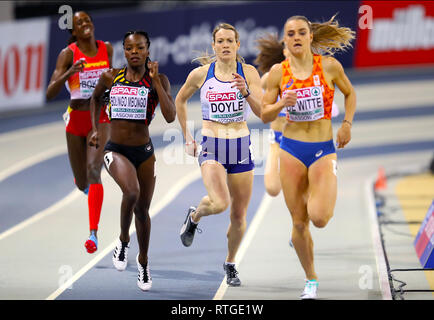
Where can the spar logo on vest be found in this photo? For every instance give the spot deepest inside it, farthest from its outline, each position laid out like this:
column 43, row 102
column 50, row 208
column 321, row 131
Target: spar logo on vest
column 309, row 106
column 129, row 102
column 225, row 105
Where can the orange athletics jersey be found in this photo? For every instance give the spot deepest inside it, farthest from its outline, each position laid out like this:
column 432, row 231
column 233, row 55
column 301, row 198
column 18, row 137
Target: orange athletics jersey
column 314, row 96
column 82, row 84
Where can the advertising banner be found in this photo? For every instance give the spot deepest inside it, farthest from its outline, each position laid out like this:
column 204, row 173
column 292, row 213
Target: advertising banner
column 402, row 33
column 424, row 242
column 178, row 36
column 23, row 55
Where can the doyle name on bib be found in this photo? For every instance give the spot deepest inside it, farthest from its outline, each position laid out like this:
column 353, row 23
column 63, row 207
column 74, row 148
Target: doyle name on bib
column 226, row 106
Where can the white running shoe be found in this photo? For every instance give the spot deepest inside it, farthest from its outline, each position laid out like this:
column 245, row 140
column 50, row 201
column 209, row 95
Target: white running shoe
column 120, row 255
column 310, row 289
column 144, row 280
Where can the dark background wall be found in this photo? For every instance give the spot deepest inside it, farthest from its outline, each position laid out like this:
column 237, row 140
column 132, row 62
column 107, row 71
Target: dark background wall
column 178, row 34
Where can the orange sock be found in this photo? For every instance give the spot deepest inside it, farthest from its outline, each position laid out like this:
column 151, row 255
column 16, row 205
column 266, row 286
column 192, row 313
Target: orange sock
column 94, row 200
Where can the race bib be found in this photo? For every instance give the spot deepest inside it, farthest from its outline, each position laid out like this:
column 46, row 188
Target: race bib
column 226, row 107
column 129, row 102
column 309, row 106
column 88, row 81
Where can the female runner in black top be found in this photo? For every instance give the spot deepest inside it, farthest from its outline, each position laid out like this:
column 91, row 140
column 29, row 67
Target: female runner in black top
column 135, row 92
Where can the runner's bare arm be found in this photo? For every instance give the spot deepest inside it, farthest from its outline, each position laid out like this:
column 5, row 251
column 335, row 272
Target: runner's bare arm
column 191, row 85
column 254, row 83
column 271, row 107
column 64, row 69
column 96, row 101
column 334, row 68
column 109, row 53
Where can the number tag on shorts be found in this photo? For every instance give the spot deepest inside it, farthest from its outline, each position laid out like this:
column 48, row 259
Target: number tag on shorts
column 108, row 159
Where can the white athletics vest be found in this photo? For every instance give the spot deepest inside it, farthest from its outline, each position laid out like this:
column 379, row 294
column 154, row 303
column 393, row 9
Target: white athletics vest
column 220, row 102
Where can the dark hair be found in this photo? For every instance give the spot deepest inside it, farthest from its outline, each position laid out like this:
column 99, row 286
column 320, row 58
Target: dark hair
column 74, row 38
column 140, row 32
column 270, row 52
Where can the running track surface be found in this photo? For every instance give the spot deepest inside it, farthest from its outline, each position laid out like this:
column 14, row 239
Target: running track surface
column 44, row 218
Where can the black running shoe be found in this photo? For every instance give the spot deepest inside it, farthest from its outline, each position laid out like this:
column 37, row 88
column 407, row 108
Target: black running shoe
column 188, row 229
column 231, row 275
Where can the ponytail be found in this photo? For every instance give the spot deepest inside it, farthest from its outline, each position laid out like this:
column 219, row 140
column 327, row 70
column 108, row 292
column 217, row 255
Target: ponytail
column 270, row 52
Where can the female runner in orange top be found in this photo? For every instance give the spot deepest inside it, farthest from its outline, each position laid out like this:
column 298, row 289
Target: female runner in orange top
column 306, row 83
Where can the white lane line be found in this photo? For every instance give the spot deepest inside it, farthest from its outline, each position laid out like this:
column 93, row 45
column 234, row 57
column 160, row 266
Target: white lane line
column 153, row 211
column 54, row 208
column 30, row 161
column 376, row 239
column 248, row 237
column 42, row 214
column 51, row 128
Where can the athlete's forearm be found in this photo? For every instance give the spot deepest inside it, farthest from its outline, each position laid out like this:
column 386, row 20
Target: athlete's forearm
column 255, row 104
column 55, row 86
column 168, row 108
column 181, row 112
column 350, row 106
column 95, row 109
column 271, row 111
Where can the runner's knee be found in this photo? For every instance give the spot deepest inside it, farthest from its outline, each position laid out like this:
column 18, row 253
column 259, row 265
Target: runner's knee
column 94, row 173
column 272, row 190
column 220, row 204
column 238, row 218
column 141, row 213
column 130, row 197
column 81, row 185
column 300, row 226
column 321, row 222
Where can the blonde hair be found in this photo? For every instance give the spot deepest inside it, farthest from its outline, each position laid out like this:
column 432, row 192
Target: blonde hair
column 328, row 37
column 270, row 52
column 206, row 58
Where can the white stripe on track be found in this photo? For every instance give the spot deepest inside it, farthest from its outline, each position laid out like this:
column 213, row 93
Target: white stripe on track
column 43, row 129
column 47, row 212
column 254, row 225
column 153, row 211
column 376, row 239
column 42, row 214
column 28, row 162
